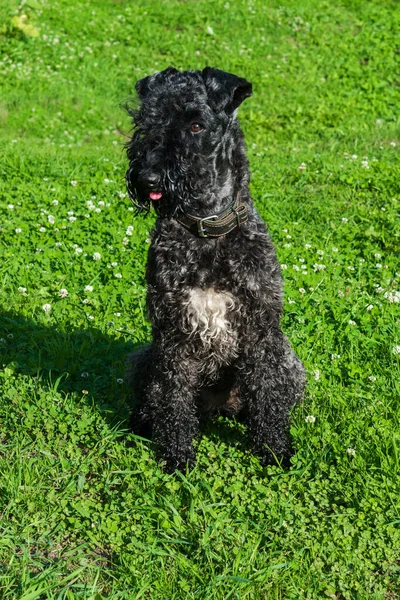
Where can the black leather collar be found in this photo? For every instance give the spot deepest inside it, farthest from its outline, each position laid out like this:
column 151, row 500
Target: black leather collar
column 216, row 225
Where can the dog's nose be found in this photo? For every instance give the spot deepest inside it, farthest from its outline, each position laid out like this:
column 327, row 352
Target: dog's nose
column 149, row 181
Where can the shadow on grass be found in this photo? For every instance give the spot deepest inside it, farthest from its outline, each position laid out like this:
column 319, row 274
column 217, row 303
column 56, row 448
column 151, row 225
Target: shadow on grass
column 82, row 359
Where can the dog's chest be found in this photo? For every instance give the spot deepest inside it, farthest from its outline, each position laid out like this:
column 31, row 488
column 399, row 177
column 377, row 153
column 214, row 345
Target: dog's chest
column 209, row 316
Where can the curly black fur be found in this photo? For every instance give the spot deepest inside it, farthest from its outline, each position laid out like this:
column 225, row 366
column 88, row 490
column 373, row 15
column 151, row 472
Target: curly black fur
column 214, row 303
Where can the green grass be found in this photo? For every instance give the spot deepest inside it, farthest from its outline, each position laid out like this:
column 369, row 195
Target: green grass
column 85, row 509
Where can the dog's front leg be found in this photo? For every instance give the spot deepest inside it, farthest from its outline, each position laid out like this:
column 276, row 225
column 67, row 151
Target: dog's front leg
column 175, row 422
column 271, row 381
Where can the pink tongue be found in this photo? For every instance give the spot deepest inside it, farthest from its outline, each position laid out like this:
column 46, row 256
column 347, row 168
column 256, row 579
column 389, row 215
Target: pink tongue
column 155, row 195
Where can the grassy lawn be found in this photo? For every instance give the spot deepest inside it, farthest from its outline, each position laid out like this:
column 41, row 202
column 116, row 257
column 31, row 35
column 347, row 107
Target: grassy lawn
column 86, row 511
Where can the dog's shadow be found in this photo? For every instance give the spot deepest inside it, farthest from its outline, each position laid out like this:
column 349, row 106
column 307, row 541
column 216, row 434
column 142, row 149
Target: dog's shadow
column 84, row 361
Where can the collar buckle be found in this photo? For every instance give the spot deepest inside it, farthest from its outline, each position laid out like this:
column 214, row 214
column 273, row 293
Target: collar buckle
column 200, row 222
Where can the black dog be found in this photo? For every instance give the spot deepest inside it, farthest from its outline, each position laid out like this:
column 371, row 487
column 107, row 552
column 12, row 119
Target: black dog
column 214, row 283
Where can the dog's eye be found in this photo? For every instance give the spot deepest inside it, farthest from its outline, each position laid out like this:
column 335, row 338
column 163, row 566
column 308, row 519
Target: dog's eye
column 196, row 127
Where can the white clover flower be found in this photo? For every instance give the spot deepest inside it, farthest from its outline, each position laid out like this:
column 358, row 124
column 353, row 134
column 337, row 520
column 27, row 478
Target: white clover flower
column 55, row 202
column 85, row 374
column 114, row 264
column 351, row 451
column 377, row 255
column 378, row 266
column 396, row 349
column 73, row 183
column 310, row 419
column 18, row 230
column 117, row 314
column 320, row 252
column 317, row 374
column 78, row 250
column 334, row 249
column 58, row 244
column 335, row 356
column 351, row 322
column 308, row 246
column 351, row 268
column 90, row 317
column 86, row 301
column 318, row 267
column 392, row 296
column 125, row 241
column 89, row 288
column 106, row 180
column 296, row 268
column 46, row 308
column 96, row 256
column 304, row 267
column 118, row 275
column 380, row 289
column 101, row 203
column 354, row 156
column 128, row 232
column 51, row 219
column 372, row 378
column 301, row 260
column 120, row 380
column 302, row 290
column 283, row 267
column 22, row 290
column 70, row 213
column 291, row 301
column 302, row 167
column 63, row 293
column 393, row 144
column 97, row 210
column 10, row 206
column 72, row 219
column 85, row 392
column 42, row 229
column 369, row 307
column 344, row 219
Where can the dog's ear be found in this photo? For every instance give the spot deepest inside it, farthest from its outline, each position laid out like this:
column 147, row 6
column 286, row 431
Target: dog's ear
column 225, row 91
column 143, row 86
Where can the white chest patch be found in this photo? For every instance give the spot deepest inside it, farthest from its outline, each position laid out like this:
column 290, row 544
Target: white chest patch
column 208, row 315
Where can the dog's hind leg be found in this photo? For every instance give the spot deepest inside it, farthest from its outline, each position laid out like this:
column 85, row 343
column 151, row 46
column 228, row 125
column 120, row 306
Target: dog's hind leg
column 138, row 374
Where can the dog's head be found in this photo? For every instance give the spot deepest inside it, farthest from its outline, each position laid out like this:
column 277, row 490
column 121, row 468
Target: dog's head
column 186, row 139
